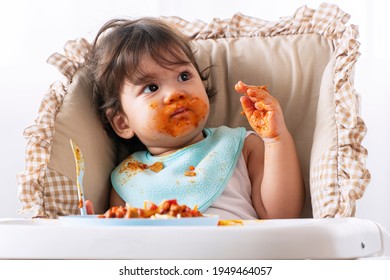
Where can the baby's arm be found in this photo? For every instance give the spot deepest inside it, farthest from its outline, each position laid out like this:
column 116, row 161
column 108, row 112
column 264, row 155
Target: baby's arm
column 115, row 199
column 273, row 166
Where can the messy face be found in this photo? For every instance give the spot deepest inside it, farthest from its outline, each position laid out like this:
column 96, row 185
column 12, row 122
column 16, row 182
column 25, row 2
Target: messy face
column 167, row 106
column 177, row 118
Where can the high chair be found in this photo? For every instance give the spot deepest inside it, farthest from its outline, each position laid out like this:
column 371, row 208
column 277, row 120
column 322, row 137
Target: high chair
column 306, row 61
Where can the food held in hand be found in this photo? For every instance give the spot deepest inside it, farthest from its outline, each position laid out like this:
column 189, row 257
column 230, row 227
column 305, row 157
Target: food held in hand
column 165, row 210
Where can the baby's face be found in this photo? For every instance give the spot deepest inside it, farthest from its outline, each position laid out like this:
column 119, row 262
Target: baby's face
column 168, row 107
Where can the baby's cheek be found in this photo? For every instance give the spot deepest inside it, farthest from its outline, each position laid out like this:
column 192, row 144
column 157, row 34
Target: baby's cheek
column 159, row 117
column 153, row 105
column 200, row 108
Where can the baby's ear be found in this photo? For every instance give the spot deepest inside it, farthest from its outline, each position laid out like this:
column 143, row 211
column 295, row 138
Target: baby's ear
column 121, row 125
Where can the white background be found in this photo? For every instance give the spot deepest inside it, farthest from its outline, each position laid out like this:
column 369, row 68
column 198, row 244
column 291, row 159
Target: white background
column 33, row 30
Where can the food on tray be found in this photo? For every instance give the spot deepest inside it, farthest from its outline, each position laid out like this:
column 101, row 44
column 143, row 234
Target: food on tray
column 165, row 210
column 230, row 223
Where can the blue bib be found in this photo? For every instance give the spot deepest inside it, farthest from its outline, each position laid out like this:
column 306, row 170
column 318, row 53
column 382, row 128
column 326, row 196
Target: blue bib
column 195, row 175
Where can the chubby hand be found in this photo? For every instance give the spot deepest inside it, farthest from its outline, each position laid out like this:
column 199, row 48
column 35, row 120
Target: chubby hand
column 89, row 207
column 262, row 111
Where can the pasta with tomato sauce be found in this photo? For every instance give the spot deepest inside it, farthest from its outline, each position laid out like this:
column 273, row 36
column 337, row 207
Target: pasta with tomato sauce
column 166, row 209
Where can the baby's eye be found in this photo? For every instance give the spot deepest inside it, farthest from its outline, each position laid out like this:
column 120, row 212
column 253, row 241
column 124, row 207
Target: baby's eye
column 150, row 88
column 184, row 76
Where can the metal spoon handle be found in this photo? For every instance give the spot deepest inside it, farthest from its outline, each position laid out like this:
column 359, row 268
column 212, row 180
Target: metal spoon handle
column 80, row 169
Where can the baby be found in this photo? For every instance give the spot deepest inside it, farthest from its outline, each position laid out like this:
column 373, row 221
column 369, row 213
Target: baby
column 149, row 90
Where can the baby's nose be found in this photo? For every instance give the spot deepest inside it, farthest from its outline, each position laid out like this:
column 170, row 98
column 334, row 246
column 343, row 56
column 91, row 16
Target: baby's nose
column 173, row 97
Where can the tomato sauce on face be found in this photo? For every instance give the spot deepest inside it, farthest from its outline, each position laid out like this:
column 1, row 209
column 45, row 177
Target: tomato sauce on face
column 177, row 118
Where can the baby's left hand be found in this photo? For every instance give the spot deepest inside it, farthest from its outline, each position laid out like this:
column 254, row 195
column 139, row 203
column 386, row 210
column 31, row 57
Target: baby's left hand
column 262, row 111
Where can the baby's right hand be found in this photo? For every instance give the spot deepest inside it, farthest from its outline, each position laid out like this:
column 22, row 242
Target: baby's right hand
column 262, row 111
column 89, row 207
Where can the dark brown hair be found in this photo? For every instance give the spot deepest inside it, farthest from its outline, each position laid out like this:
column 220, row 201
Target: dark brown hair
column 116, row 53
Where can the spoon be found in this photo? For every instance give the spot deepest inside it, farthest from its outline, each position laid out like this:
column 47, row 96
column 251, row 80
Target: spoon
column 80, row 169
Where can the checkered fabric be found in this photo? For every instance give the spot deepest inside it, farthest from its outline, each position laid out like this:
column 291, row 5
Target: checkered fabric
column 38, row 184
column 338, row 179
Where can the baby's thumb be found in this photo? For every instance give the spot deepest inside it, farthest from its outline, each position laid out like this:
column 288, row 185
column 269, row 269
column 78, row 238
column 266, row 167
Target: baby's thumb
column 89, row 207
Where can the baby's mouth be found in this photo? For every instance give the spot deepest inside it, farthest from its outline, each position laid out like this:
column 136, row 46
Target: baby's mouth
column 179, row 111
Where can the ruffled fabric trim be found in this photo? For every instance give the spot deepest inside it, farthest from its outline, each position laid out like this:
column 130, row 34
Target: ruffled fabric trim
column 75, row 53
column 34, row 183
column 328, row 20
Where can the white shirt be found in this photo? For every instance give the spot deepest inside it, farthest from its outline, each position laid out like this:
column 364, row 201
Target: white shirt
column 235, row 202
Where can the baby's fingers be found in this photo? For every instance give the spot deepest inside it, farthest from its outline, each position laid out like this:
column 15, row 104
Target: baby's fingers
column 243, row 88
column 264, row 106
column 247, row 106
column 89, row 206
column 240, row 87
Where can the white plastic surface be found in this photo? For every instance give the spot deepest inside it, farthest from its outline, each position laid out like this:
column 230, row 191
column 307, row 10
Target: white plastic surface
column 347, row 238
column 93, row 220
